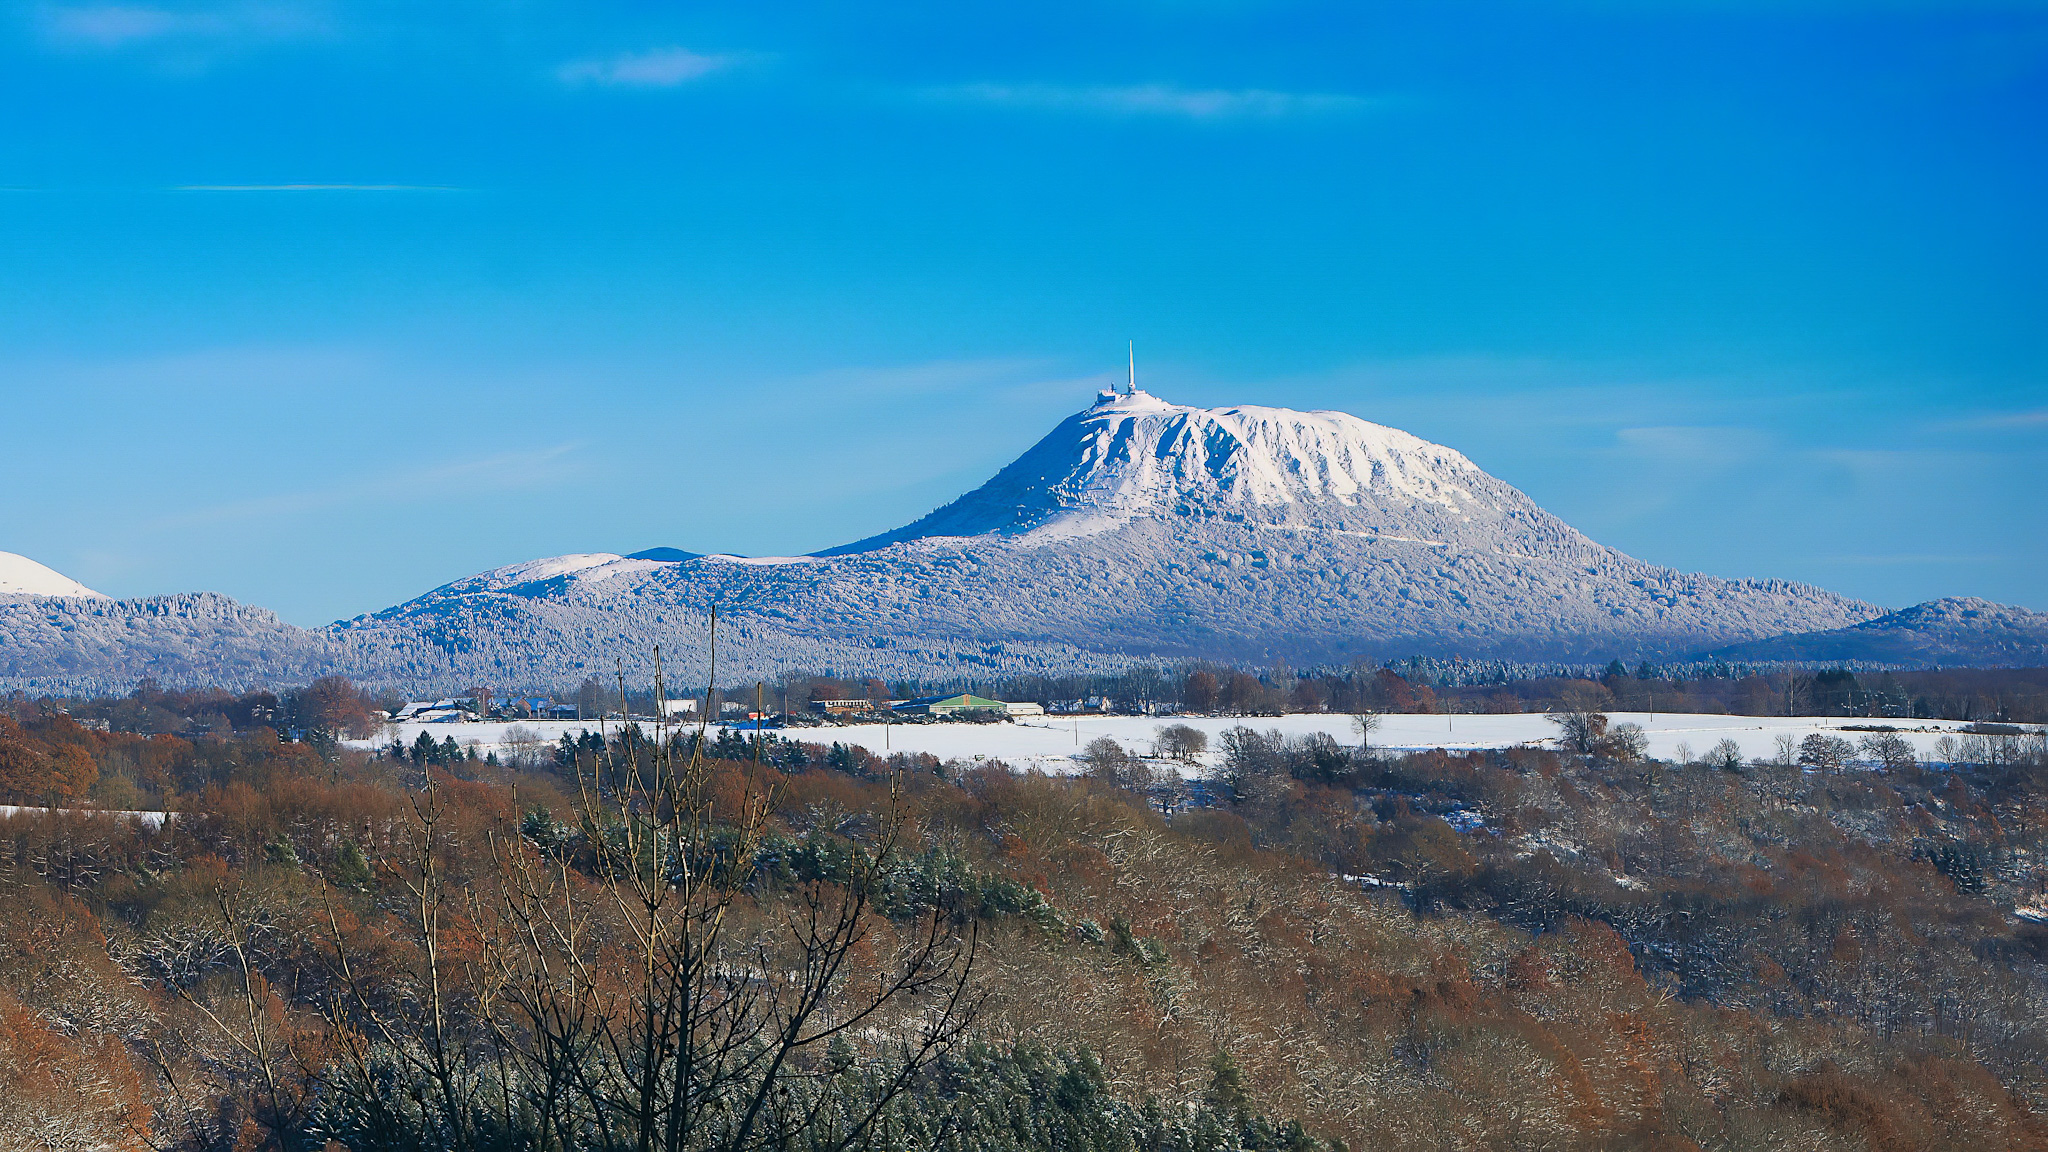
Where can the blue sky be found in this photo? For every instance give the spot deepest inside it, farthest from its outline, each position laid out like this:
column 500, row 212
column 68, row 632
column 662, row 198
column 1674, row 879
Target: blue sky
column 322, row 304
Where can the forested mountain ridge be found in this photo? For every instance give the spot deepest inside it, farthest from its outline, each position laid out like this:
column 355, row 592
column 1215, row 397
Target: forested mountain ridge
column 1953, row 630
column 96, row 643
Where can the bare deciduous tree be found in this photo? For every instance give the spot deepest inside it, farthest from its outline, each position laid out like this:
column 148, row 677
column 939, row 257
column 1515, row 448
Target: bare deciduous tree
column 635, row 991
column 1365, row 724
column 1726, row 755
column 1889, row 750
column 1182, row 742
column 1579, row 731
column 1825, row 753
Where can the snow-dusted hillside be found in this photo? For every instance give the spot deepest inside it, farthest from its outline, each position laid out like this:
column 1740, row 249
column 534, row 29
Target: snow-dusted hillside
column 21, row 576
column 61, row 644
column 1136, row 528
column 1957, row 630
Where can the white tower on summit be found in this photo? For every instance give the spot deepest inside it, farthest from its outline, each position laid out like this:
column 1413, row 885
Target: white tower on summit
column 1113, row 394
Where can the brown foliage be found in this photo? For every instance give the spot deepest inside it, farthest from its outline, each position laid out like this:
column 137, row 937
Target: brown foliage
column 64, row 1092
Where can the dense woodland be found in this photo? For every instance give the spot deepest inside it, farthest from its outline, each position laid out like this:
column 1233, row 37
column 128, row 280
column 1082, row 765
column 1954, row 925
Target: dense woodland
column 646, row 940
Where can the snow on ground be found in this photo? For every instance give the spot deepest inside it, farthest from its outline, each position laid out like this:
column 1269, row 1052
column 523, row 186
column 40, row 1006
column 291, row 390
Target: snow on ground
column 146, row 819
column 1051, row 744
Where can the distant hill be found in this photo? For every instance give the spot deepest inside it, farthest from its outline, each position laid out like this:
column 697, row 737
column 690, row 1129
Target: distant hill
column 96, row 644
column 1952, row 631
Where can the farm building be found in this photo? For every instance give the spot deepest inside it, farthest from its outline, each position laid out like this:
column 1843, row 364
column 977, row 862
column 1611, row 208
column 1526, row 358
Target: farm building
column 845, row 707
column 953, row 705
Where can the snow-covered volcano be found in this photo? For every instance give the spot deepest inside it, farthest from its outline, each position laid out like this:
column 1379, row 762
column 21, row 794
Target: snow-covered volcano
column 1136, row 528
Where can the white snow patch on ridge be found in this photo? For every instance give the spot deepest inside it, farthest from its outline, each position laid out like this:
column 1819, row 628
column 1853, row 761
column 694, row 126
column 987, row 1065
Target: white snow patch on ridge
column 760, row 561
column 548, row 568
column 21, row 576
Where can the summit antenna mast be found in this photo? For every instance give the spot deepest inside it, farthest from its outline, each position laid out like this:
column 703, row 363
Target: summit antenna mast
column 1133, row 388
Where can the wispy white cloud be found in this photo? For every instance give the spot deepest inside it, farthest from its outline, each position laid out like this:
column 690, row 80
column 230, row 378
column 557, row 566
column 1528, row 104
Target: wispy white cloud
column 2033, row 418
column 1913, row 558
column 1809, row 7
column 110, row 25
column 501, row 472
column 929, row 378
column 116, row 26
column 657, row 68
column 314, row 188
column 1693, row 446
column 1161, row 100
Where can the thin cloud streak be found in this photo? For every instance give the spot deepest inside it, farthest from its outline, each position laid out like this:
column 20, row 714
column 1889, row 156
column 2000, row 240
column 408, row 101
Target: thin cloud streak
column 1693, row 446
column 507, row 471
column 315, row 188
column 658, row 68
column 1912, row 558
column 111, row 27
column 1162, row 100
column 2035, row 418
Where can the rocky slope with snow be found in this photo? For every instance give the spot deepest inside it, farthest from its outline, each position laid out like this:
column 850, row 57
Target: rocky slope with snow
column 1137, row 528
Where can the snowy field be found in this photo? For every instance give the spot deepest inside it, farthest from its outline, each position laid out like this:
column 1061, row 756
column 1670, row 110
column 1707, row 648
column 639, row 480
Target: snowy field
column 1050, row 744
column 146, row 819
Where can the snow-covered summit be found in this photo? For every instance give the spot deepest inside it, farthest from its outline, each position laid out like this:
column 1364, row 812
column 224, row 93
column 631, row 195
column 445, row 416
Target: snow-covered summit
column 21, row 576
column 1133, row 455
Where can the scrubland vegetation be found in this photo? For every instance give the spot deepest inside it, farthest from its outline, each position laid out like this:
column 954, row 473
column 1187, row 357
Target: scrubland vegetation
column 634, row 942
